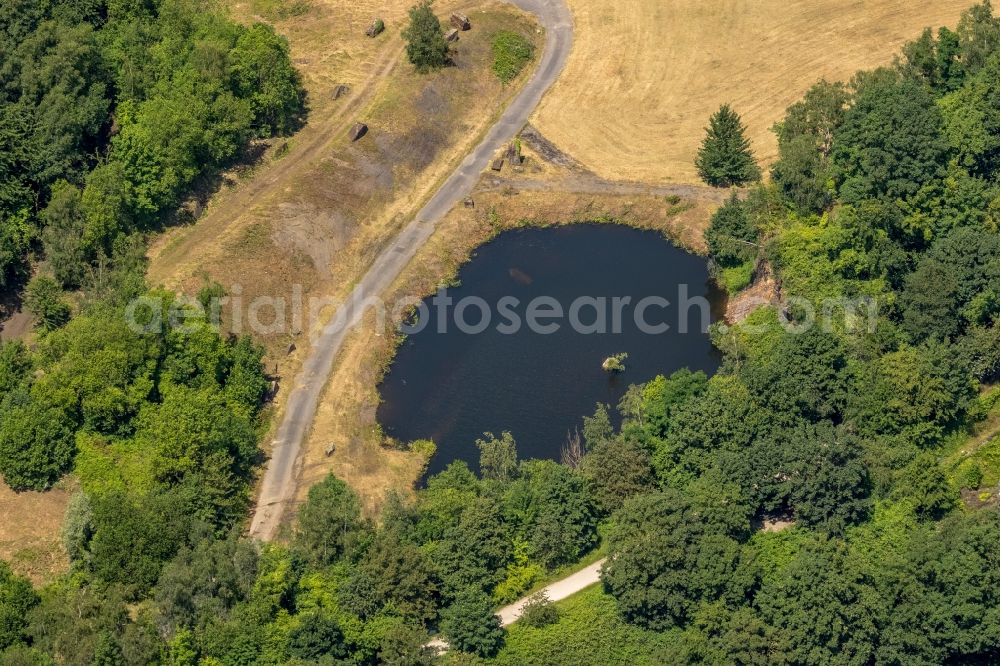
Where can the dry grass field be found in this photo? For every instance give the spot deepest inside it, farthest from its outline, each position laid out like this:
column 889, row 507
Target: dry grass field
column 644, row 75
column 29, row 530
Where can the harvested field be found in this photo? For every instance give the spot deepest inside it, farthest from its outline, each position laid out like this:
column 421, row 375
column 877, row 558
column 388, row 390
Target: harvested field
column 659, row 69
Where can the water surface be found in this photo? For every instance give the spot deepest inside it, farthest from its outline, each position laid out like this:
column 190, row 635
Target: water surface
column 452, row 386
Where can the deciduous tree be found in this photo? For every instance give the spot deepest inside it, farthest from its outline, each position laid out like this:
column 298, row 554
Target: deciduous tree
column 664, row 559
column 330, row 521
column 470, row 625
column 44, row 299
column 425, row 44
column 891, row 141
column 16, row 599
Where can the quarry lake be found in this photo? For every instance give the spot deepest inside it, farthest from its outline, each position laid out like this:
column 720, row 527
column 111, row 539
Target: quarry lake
column 518, row 345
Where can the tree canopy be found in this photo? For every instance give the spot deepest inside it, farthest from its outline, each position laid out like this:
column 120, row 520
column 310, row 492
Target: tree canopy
column 425, row 44
column 725, row 157
column 827, row 496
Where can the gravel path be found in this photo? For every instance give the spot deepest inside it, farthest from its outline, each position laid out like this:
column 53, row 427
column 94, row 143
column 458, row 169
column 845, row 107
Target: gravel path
column 557, row 591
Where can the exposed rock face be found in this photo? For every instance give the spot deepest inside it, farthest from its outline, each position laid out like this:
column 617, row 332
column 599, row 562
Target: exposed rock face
column 764, row 290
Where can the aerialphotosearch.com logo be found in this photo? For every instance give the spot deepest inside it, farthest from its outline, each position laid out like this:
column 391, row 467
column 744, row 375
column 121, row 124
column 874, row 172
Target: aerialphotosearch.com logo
column 473, row 315
column 545, row 315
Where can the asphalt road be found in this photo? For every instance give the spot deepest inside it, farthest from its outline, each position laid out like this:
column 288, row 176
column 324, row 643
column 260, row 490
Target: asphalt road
column 278, row 487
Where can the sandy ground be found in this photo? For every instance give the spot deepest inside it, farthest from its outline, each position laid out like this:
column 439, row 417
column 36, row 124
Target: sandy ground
column 16, row 326
column 645, row 75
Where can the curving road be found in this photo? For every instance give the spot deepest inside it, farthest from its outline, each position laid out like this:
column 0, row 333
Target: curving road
column 278, row 487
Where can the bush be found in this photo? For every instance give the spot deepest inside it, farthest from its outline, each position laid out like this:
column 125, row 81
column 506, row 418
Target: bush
column 78, row 527
column 732, row 236
column 425, row 448
column 15, row 239
column 589, row 631
column 44, row 301
column 329, row 521
column 36, row 441
column 511, row 52
column 539, row 612
column 970, row 475
column 470, row 625
column 736, row 278
column 425, row 44
column 16, row 599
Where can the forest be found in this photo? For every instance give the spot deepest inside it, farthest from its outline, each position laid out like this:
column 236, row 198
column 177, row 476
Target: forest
column 114, row 113
column 856, row 439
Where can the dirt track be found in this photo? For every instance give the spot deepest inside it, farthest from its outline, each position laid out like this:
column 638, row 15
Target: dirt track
column 557, row 591
column 278, row 487
column 590, row 184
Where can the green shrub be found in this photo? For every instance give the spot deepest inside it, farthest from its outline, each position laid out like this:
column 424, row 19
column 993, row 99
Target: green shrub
column 970, row 475
column 736, row 278
column 511, row 52
column 425, row 44
column 470, row 625
column 539, row 611
column 522, row 573
column 426, row 448
column 43, row 299
column 589, row 631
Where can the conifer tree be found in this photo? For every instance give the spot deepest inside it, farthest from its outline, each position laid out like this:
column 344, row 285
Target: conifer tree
column 725, row 157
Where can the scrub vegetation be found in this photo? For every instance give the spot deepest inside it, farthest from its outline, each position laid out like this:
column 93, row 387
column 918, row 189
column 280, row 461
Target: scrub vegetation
column 511, row 53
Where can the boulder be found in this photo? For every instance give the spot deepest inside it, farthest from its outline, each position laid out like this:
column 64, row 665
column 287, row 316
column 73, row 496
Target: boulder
column 358, row 131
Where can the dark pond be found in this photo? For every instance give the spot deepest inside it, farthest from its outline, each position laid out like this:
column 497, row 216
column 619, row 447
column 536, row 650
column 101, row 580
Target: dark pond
column 451, row 385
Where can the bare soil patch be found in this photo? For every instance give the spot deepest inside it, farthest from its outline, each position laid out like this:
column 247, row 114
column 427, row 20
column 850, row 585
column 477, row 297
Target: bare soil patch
column 763, row 291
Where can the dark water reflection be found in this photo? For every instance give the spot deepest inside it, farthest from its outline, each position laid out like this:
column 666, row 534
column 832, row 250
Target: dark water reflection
column 452, row 386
